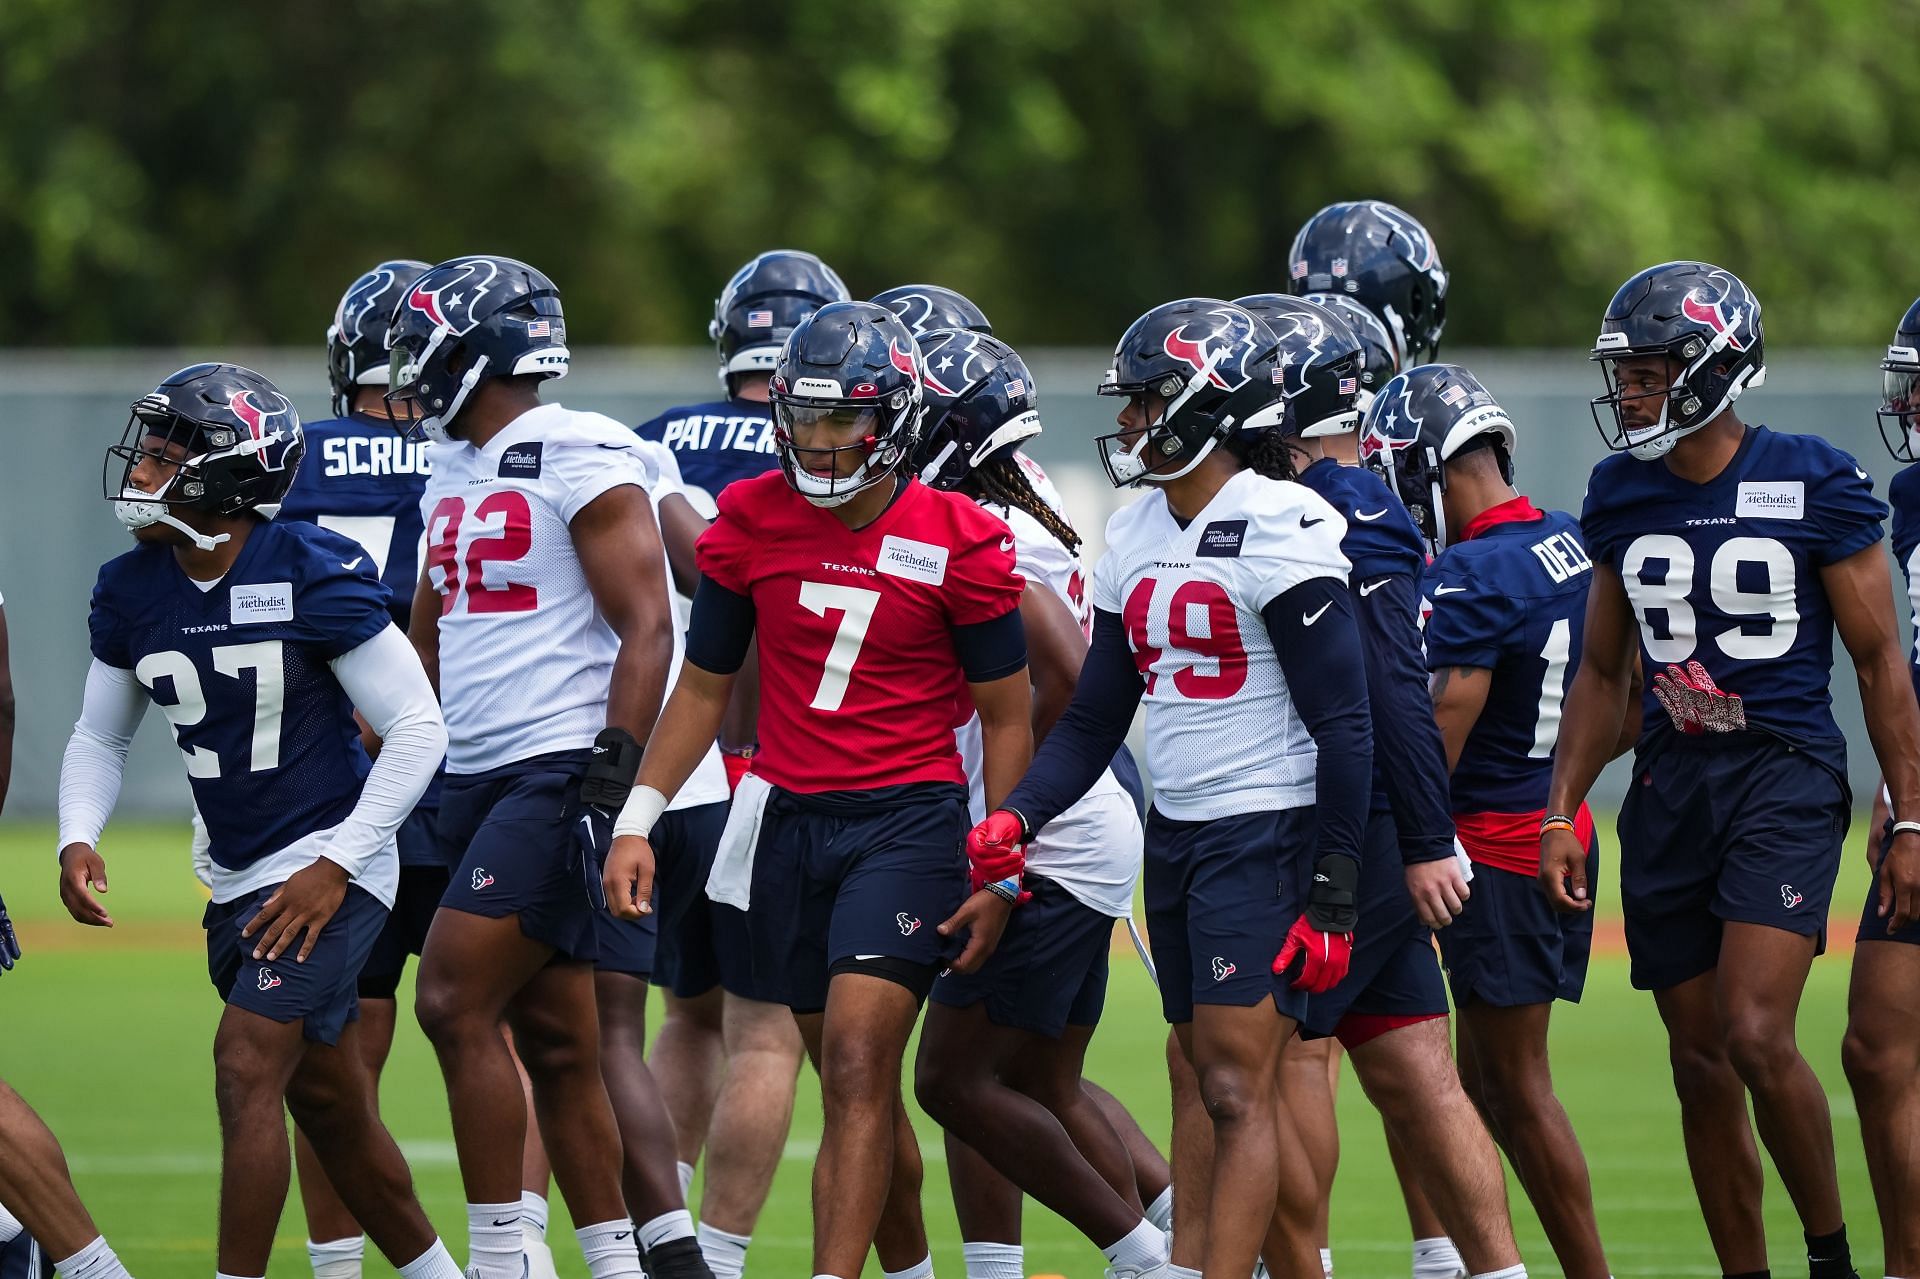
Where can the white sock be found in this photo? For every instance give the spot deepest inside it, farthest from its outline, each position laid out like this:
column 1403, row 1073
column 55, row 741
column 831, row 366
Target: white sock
column 533, row 1216
column 1436, row 1258
column 991, row 1261
column 10, row 1226
column 726, row 1253
column 435, row 1263
column 1511, row 1272
column 665, row 1228
column 1160, row 1211
column 1326, row 1262
column 495, row 1247
column 685, row 1170
column 337, row 1258
column 1182, row 1272
column 1142, row 1248
column 921, row 1269
column 610, row 1249
column 95, row 1261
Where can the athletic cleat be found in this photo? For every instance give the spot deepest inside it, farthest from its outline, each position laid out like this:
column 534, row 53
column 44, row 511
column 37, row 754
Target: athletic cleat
column 1133, row 1272
column 677, row 1259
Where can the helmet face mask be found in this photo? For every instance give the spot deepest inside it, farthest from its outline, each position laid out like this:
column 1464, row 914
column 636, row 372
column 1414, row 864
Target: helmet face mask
column 1899, row 411
column 847, row 401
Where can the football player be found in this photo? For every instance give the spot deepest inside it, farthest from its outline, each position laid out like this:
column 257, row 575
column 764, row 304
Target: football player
column 1881, row 1052
column 1383, row 258
column 364, row 482
column 1390, row 1012
column 1734, row 553
column 891, row 599
column 259, row 640
column 1507, row 590
column 542, row 613
column 727, row 1056
column 1001, row 1054
column 1222, row 603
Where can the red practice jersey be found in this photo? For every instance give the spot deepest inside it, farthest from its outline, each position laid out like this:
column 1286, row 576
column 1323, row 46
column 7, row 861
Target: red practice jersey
column 858, row 673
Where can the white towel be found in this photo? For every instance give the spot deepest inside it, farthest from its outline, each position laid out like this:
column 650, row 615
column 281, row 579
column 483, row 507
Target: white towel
column 1464, row 862
column 731, row 881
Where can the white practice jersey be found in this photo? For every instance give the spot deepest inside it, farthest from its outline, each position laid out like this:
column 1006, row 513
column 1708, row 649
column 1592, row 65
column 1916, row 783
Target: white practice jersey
column 708, row 784
column 1092, row 849
column 1223, row 736
column 526, row 657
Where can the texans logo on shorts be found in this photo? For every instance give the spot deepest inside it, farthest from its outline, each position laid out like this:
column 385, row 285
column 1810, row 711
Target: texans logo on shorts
column 908, row 924
column 1222, row 969
column 268, row 980
column 1788, row 897
column 481, row 879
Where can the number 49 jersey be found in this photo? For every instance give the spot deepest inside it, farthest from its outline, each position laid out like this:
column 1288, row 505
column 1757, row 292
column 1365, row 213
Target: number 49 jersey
column 1511, row 599
column 1223, row 736
column 526, row 657
column 241, row 671
column 1727, row 574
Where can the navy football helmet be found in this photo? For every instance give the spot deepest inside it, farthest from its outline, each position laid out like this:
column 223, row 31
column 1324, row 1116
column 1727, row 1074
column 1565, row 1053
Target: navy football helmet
column 1706, row 324
column 1899, row 412
column 233, row 440
column 1419, row 422
column 357, row 338
column 763, row 303
column 981, row 401
column 929, row 306
column 850, row 369
column 1213, row 364
column 1320, row 362
column 1384, row 258
column 1378, row 363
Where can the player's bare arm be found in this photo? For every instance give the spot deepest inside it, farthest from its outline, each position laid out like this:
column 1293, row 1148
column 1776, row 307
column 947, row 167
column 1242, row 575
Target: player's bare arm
column 1056, row 648
column 619, row 548
column 1858, row 588
column 1459, row 695
column 680, row 528
column 1590, row 725
column 686, row 725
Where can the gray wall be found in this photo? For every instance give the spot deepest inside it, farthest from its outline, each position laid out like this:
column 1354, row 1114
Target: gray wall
column 59, row 411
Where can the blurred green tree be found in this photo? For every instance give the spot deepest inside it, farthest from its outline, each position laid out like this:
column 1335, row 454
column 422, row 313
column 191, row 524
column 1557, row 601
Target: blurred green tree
column 178, row 172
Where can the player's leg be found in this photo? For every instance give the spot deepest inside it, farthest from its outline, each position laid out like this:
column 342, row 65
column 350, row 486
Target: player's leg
column 1190, row 1153
column 1051, row 1074
column 1882, row 1057
column 1721, row 1155
column 988, row 1207
column 650, row 1181
column 335, row 1242
column 37, row 1188
column 536, row 1184
column 1236, row 1057
column 1152, row 1174
column 1307, row 1071
column 1435, row 1255
column 253, row 1058
column 689, row 1063
column 1408, row 1074
column 751, row 1118
column 688, row 1056
column 862, row 1038
column 1503, row 1052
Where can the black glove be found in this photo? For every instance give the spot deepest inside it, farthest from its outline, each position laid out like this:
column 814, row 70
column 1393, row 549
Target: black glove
column 603, row 792
column 1333, row 903
column 9, row 943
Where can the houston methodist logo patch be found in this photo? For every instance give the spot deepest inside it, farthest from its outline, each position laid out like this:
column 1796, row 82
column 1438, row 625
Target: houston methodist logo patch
column 264, row 602
column 1771, row 499
column 915, row 561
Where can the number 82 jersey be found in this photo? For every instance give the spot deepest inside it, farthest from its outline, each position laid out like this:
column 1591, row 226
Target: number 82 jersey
column 1727, row 574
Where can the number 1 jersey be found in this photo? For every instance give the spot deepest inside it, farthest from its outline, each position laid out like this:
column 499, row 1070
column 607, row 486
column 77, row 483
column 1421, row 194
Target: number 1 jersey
column 526, row 657
column 1727, row 574
column 859, row 678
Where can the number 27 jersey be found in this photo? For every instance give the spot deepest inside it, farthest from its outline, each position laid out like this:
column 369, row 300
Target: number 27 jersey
column 1727, row 574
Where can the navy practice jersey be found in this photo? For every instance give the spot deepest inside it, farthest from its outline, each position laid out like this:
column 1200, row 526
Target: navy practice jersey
column 1387, row 553
column 241, row 671
column 1727, row 574
column 715, row 444
column 1511, row 599
column 361, row 479
column 1905, row 493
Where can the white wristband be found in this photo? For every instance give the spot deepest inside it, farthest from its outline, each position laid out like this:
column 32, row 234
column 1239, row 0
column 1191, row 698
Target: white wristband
column 1906, row 827
column 640, row 812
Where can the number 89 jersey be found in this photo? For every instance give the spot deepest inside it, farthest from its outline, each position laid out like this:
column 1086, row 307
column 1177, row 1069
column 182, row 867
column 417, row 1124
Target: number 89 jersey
column 526, row 657
column 1223, row 736
column 1727, row 574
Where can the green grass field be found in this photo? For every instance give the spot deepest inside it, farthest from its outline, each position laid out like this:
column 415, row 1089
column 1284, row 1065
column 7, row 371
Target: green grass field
column 109, row 1036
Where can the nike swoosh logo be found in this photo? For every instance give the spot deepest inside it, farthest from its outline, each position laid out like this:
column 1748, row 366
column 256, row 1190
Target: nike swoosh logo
column 621, row 1235
column 1307, row 523
column 1862, row 474
column 1006, row 544
column 618, row 448
column 508, row 1222
column 1308, row 619
column 1366, row 518
column 1370, row 587
column 353, row 563
column 1448, row 590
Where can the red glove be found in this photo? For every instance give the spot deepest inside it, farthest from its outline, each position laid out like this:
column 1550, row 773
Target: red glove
column 1695, row 703
column 1323, row 957
column 996, row 848
column 738, row 764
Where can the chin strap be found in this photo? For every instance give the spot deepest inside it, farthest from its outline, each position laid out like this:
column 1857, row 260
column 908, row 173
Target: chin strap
column 144, row 512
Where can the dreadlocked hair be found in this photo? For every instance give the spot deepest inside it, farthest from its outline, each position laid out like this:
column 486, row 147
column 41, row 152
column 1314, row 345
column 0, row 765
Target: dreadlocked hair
column 1268, row 454
column 1000, row 480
